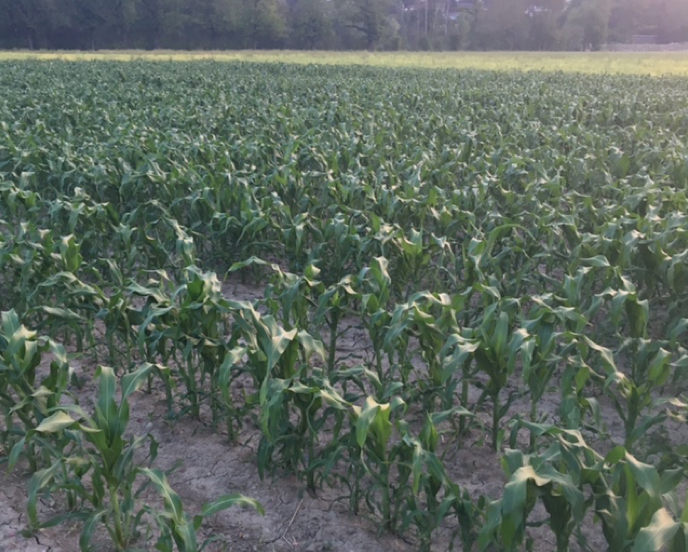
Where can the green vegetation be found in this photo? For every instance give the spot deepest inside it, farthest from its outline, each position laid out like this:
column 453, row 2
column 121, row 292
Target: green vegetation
column 506, row 250
column 647, row 63
column 426, row 25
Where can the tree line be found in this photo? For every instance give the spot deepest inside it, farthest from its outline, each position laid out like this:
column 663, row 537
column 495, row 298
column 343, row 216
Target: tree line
column 339, row 24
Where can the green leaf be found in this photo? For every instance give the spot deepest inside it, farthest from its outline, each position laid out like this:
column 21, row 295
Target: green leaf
column 605, row 354
column 62, row 313
column 133, row 380
column 38, row 481
column 57, row 422
column 658, row 534
column 88, row 529
column 644, row 474
column 107, row 388
column 173, row 503
column 500, row 335
column 599, row 261
column 15, row 453
column 228, row 501
column 374, row 419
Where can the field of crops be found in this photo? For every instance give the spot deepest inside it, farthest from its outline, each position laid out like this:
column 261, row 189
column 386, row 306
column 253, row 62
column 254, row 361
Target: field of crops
column 657, row 63
column 378, row 283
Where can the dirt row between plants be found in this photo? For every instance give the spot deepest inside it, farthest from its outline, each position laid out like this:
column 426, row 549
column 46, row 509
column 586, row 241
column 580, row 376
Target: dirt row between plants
column 204, row 465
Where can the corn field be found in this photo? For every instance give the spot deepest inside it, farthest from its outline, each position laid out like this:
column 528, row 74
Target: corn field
column 445, row 260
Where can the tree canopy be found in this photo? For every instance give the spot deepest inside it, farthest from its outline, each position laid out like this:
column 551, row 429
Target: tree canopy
column 338, row 24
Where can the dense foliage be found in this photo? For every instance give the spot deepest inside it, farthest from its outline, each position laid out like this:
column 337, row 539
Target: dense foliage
column 495, row 242
column 341, row 24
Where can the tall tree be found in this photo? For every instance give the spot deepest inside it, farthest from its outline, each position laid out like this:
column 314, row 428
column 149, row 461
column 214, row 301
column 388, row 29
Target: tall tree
column 263, row 22
column 587, row 24
column 544, row 27
column 502, row 25
column 370, row 19
column 311, row 23
column 32, row 21
column 372, row 24
column 211, row 24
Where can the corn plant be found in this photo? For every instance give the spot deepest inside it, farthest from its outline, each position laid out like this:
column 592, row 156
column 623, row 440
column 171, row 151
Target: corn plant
column 374, row 282
column 482, row 252
column 498, row 346
column 26, row 398
column 435, row 496
column 629, row 497
column 112, row 494
column 666, row 530
column 177, row 528
column 429, row 318
column 104, row 452
column 532, row 479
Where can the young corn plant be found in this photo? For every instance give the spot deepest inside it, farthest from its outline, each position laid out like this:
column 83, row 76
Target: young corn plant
column 284, row 366
column 290, row 385
column 75, row 306
column 434, row 496
column 26, row 258
column 333, row 305
column 26, row 398
column 186, row 328
column 533, row 478
column 633, row 391
column 635, row 397
column 112, row 494
column 409, row 485
column 289, row 297
column 105, row 453
column 667, row 530
column 301, row 419
column 177, row 530
column 372, row 431
column 498, row 347
column 630, row 501
column 374, row 283
column 552, row 329
column 199, row 334
column 429, row 318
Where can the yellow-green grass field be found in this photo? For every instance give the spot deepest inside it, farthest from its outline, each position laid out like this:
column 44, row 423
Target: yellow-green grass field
column 636, row 63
